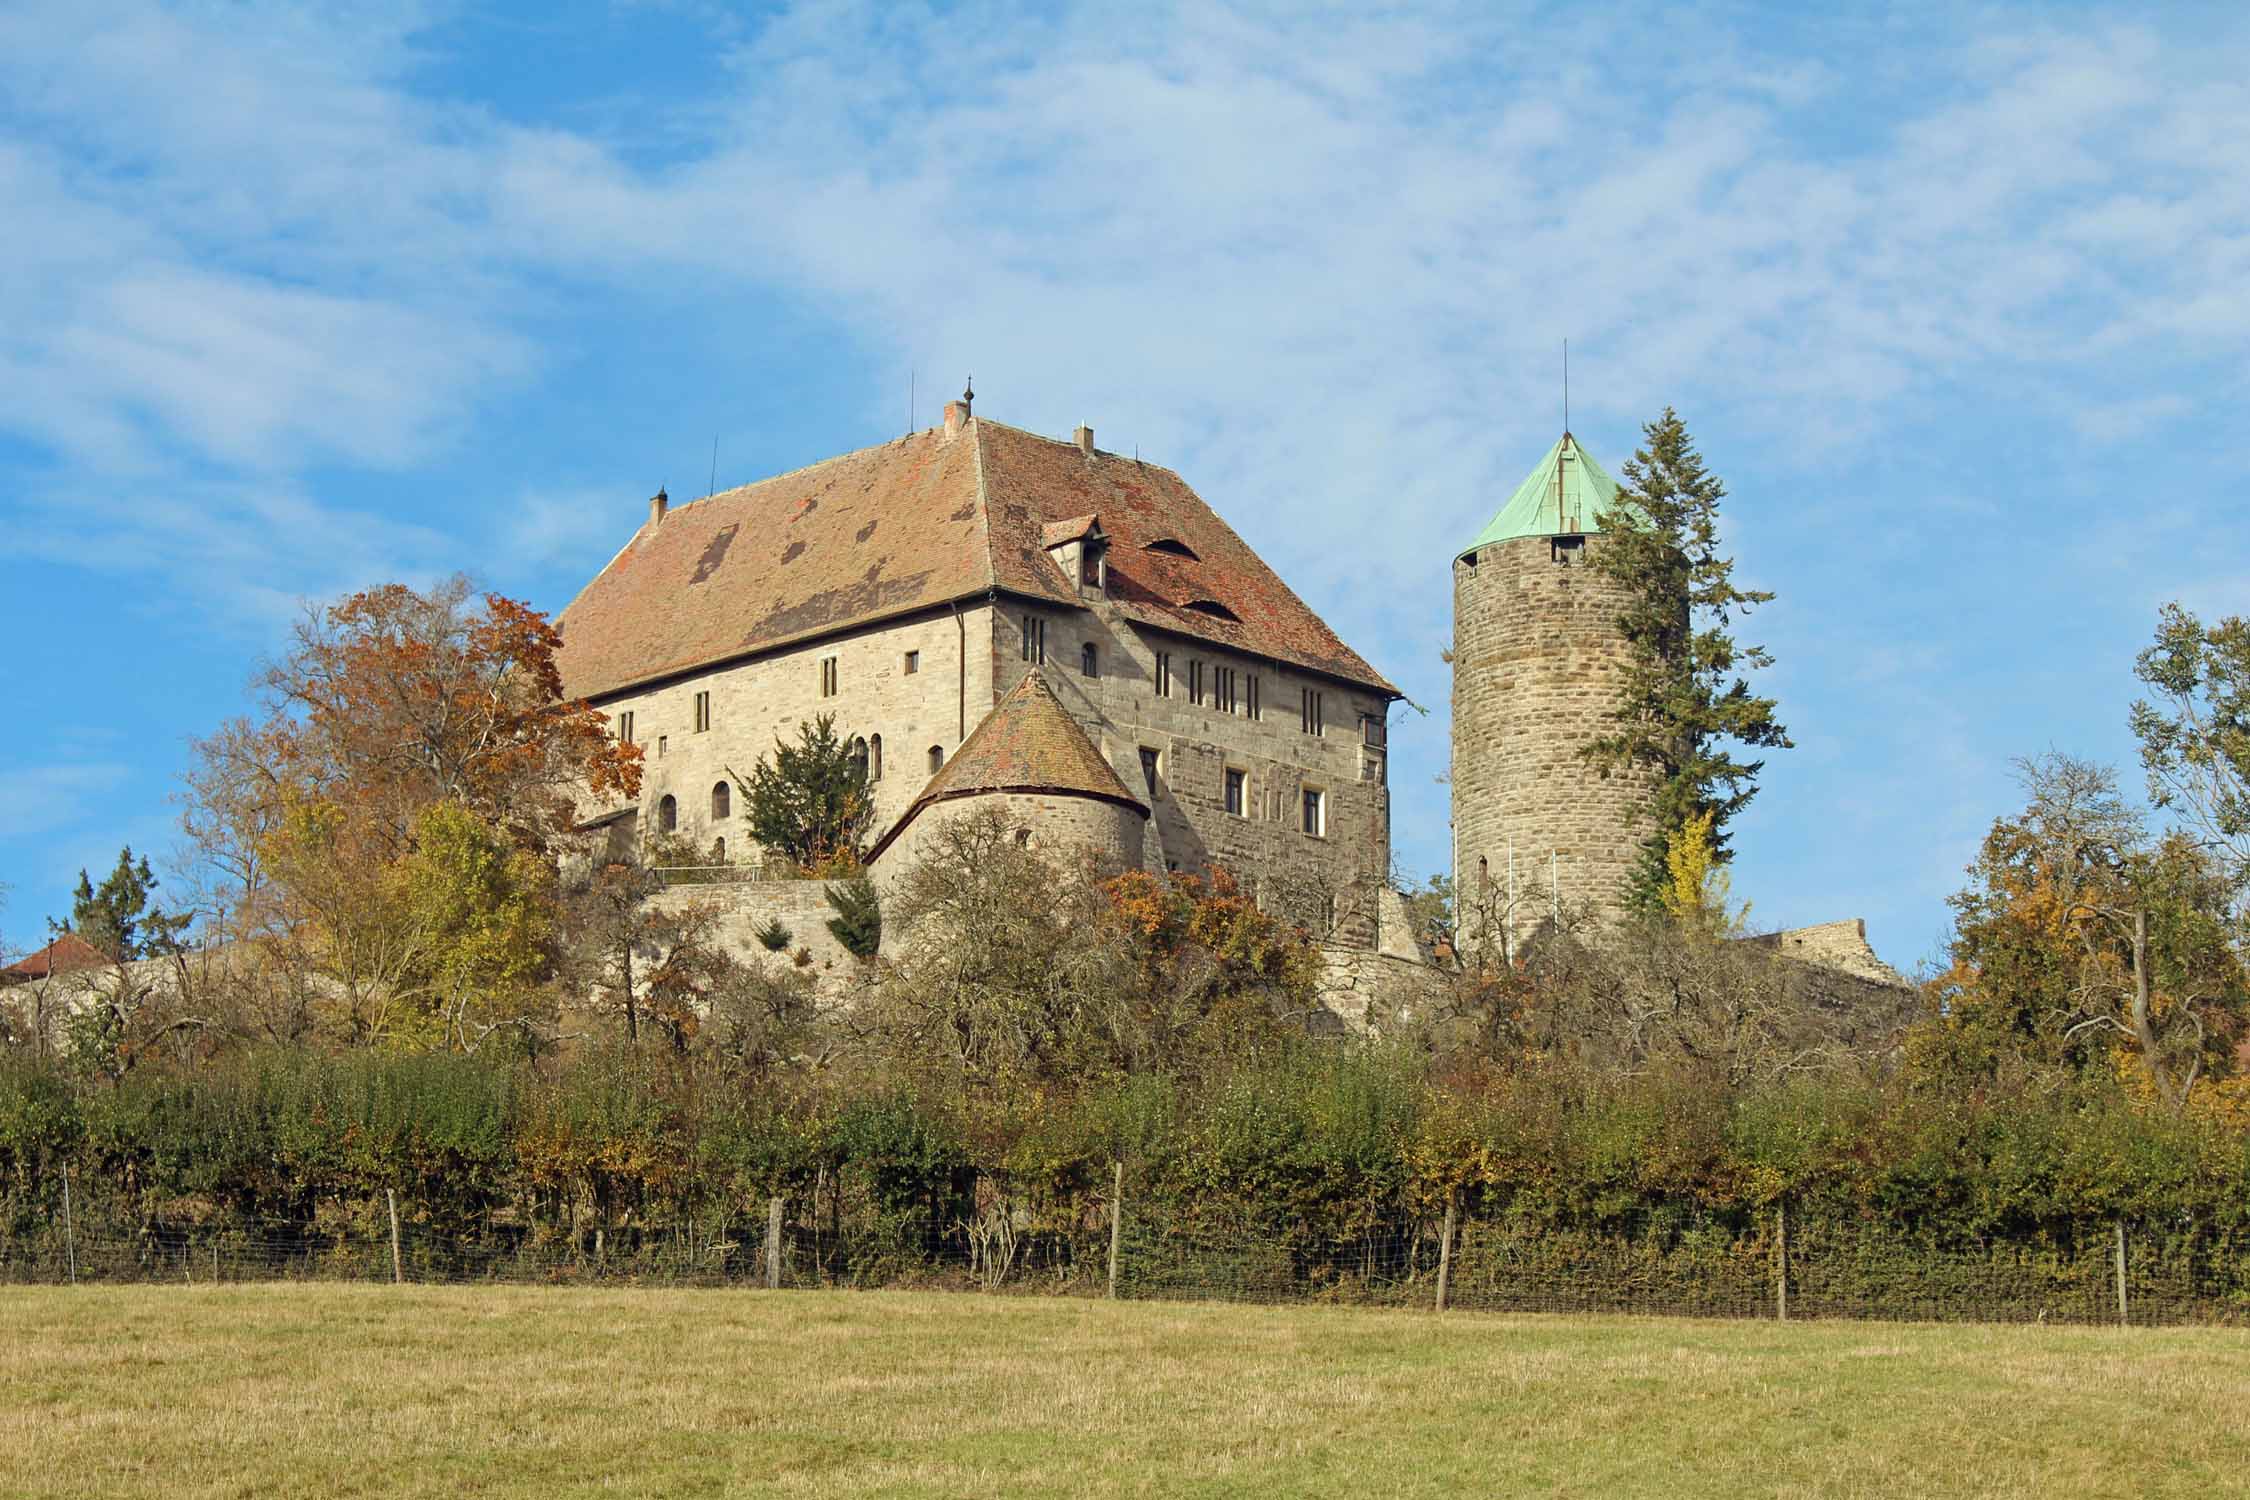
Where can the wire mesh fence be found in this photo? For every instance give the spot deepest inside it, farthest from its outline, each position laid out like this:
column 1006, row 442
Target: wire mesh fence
column 1676, row 1261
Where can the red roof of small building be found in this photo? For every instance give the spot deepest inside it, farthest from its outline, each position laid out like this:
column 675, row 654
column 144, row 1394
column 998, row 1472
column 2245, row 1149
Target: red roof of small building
column 65, row 955
column 925, row 520
column 1028, row 743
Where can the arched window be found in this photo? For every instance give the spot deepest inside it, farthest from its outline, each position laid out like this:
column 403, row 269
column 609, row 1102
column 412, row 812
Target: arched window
column 722, row 801
column 667, row 814
column 937, row 759
column 874, row 757
column 1088, row 660
column 859, row 758
column 719, row 850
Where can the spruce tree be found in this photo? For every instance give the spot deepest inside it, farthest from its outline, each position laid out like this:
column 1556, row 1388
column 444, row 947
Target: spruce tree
column 810, row 801
column 1684, row 700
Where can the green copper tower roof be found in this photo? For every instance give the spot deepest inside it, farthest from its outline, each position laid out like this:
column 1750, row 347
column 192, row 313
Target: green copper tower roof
column 1566, row 493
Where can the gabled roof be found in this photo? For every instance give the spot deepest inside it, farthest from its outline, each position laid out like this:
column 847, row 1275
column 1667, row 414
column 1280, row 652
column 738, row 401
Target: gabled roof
column 1028, row 743
column 1567, row 493
column 920, row 521
column 66, row 954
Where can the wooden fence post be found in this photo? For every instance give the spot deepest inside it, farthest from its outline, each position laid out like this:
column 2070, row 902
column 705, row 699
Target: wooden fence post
column 1781, row 1261
column 1116, row 1221
column 1445, row 1257
column 773, row 1245
column 2121, row 1308
column 398, row 1266
column 69, row 1229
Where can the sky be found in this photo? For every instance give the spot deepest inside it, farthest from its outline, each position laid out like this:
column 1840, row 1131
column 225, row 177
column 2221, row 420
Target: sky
column 1955, row 298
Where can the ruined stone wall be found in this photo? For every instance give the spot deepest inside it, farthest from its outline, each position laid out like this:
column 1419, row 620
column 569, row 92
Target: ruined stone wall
column 754, row 702
column 1537, row 665
column 1190, row 828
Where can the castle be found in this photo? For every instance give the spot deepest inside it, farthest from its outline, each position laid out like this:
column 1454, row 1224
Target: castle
column 996, row 619
column 1074, row 639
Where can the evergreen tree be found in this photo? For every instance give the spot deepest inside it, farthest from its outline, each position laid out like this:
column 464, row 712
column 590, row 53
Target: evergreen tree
column 1683, row 699
column 117, row 917
column 809, row 800
column 858, row 923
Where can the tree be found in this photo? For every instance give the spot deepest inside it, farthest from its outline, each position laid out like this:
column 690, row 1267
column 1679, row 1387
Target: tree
column 809, row 801
column 119, row 918
column 2195, row 740
column 2082, row 946
column 393, row 700
column 1682, row 700
column 858, row 923
column 1696, row 887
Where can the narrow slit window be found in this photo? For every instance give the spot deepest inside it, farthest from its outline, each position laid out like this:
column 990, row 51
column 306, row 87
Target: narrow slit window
column 1163, row 677
column 702, row 712
column 1089, row 661
column 1034, row 639
column 874, row 757
column 1149, row 765
column 828, row 677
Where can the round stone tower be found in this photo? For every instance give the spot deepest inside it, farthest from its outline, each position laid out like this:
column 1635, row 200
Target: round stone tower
column 1537, row 664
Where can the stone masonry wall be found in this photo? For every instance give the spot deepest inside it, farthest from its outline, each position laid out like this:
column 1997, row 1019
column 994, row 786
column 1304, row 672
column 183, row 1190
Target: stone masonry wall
column 745, row 906
column 1190, row 828
column 1053, row 825
column 1537, row 662
column 754, row 702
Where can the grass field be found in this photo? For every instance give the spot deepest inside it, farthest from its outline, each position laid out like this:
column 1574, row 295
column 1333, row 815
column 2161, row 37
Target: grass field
column 347, row 1390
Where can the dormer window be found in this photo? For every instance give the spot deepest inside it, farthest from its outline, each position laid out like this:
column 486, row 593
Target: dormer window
column 1213, row 608
column 1172, row 546
column 1567, row 551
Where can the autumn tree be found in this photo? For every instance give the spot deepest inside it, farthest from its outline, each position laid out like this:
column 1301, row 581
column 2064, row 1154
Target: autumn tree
column 2084, row 946
column 386, row 826
column 809, row 801
column 395, row 699
column 1684, row 699
column 2195, row 733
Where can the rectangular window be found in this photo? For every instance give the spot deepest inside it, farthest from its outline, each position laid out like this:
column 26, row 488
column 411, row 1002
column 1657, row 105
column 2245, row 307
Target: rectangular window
column 913, row 663
column 1313, row 712
column 1236, row 798
column 1195, row 682
column 1148, row 768
column 828, row 677
column 663, row 743
column 1034, row 639
column 1374, row 731
column 1163, row 674
column 702, row 712
column 1316, row 814
column 1089, row 661
column 625, row 727
column 1250, row 697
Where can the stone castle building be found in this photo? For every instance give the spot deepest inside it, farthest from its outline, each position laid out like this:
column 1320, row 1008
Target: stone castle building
column 997, row 619
column 1537, row 660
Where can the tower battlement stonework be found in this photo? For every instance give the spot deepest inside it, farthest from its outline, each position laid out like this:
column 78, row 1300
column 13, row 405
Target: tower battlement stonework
column 1538, row 664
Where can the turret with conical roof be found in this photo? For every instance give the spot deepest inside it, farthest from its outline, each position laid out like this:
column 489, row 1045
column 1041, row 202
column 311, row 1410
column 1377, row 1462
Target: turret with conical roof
column 1537, row 662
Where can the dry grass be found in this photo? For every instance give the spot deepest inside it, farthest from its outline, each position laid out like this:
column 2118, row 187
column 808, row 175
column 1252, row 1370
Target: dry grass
column 340, row 1390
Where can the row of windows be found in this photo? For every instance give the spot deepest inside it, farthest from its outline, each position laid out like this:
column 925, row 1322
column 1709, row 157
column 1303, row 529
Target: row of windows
column 1312, row 806
column 868, row 752
column 1223, row 688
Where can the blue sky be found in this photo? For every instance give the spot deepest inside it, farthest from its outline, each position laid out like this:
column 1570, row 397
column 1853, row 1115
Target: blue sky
column 1957, row 301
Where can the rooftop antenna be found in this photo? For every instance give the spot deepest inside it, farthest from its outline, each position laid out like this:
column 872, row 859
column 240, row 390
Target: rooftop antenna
column 714, row 489
column 909, row 398
column 1562, row 449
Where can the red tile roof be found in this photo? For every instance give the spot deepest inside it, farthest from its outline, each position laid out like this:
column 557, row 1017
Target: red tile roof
column 1028, row 743
column 919, row 521
column 65, row 955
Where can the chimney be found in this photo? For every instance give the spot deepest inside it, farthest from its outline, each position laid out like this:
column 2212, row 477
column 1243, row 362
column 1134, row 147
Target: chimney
column 658, row 503
column 957, row 412
column 1085, row 437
